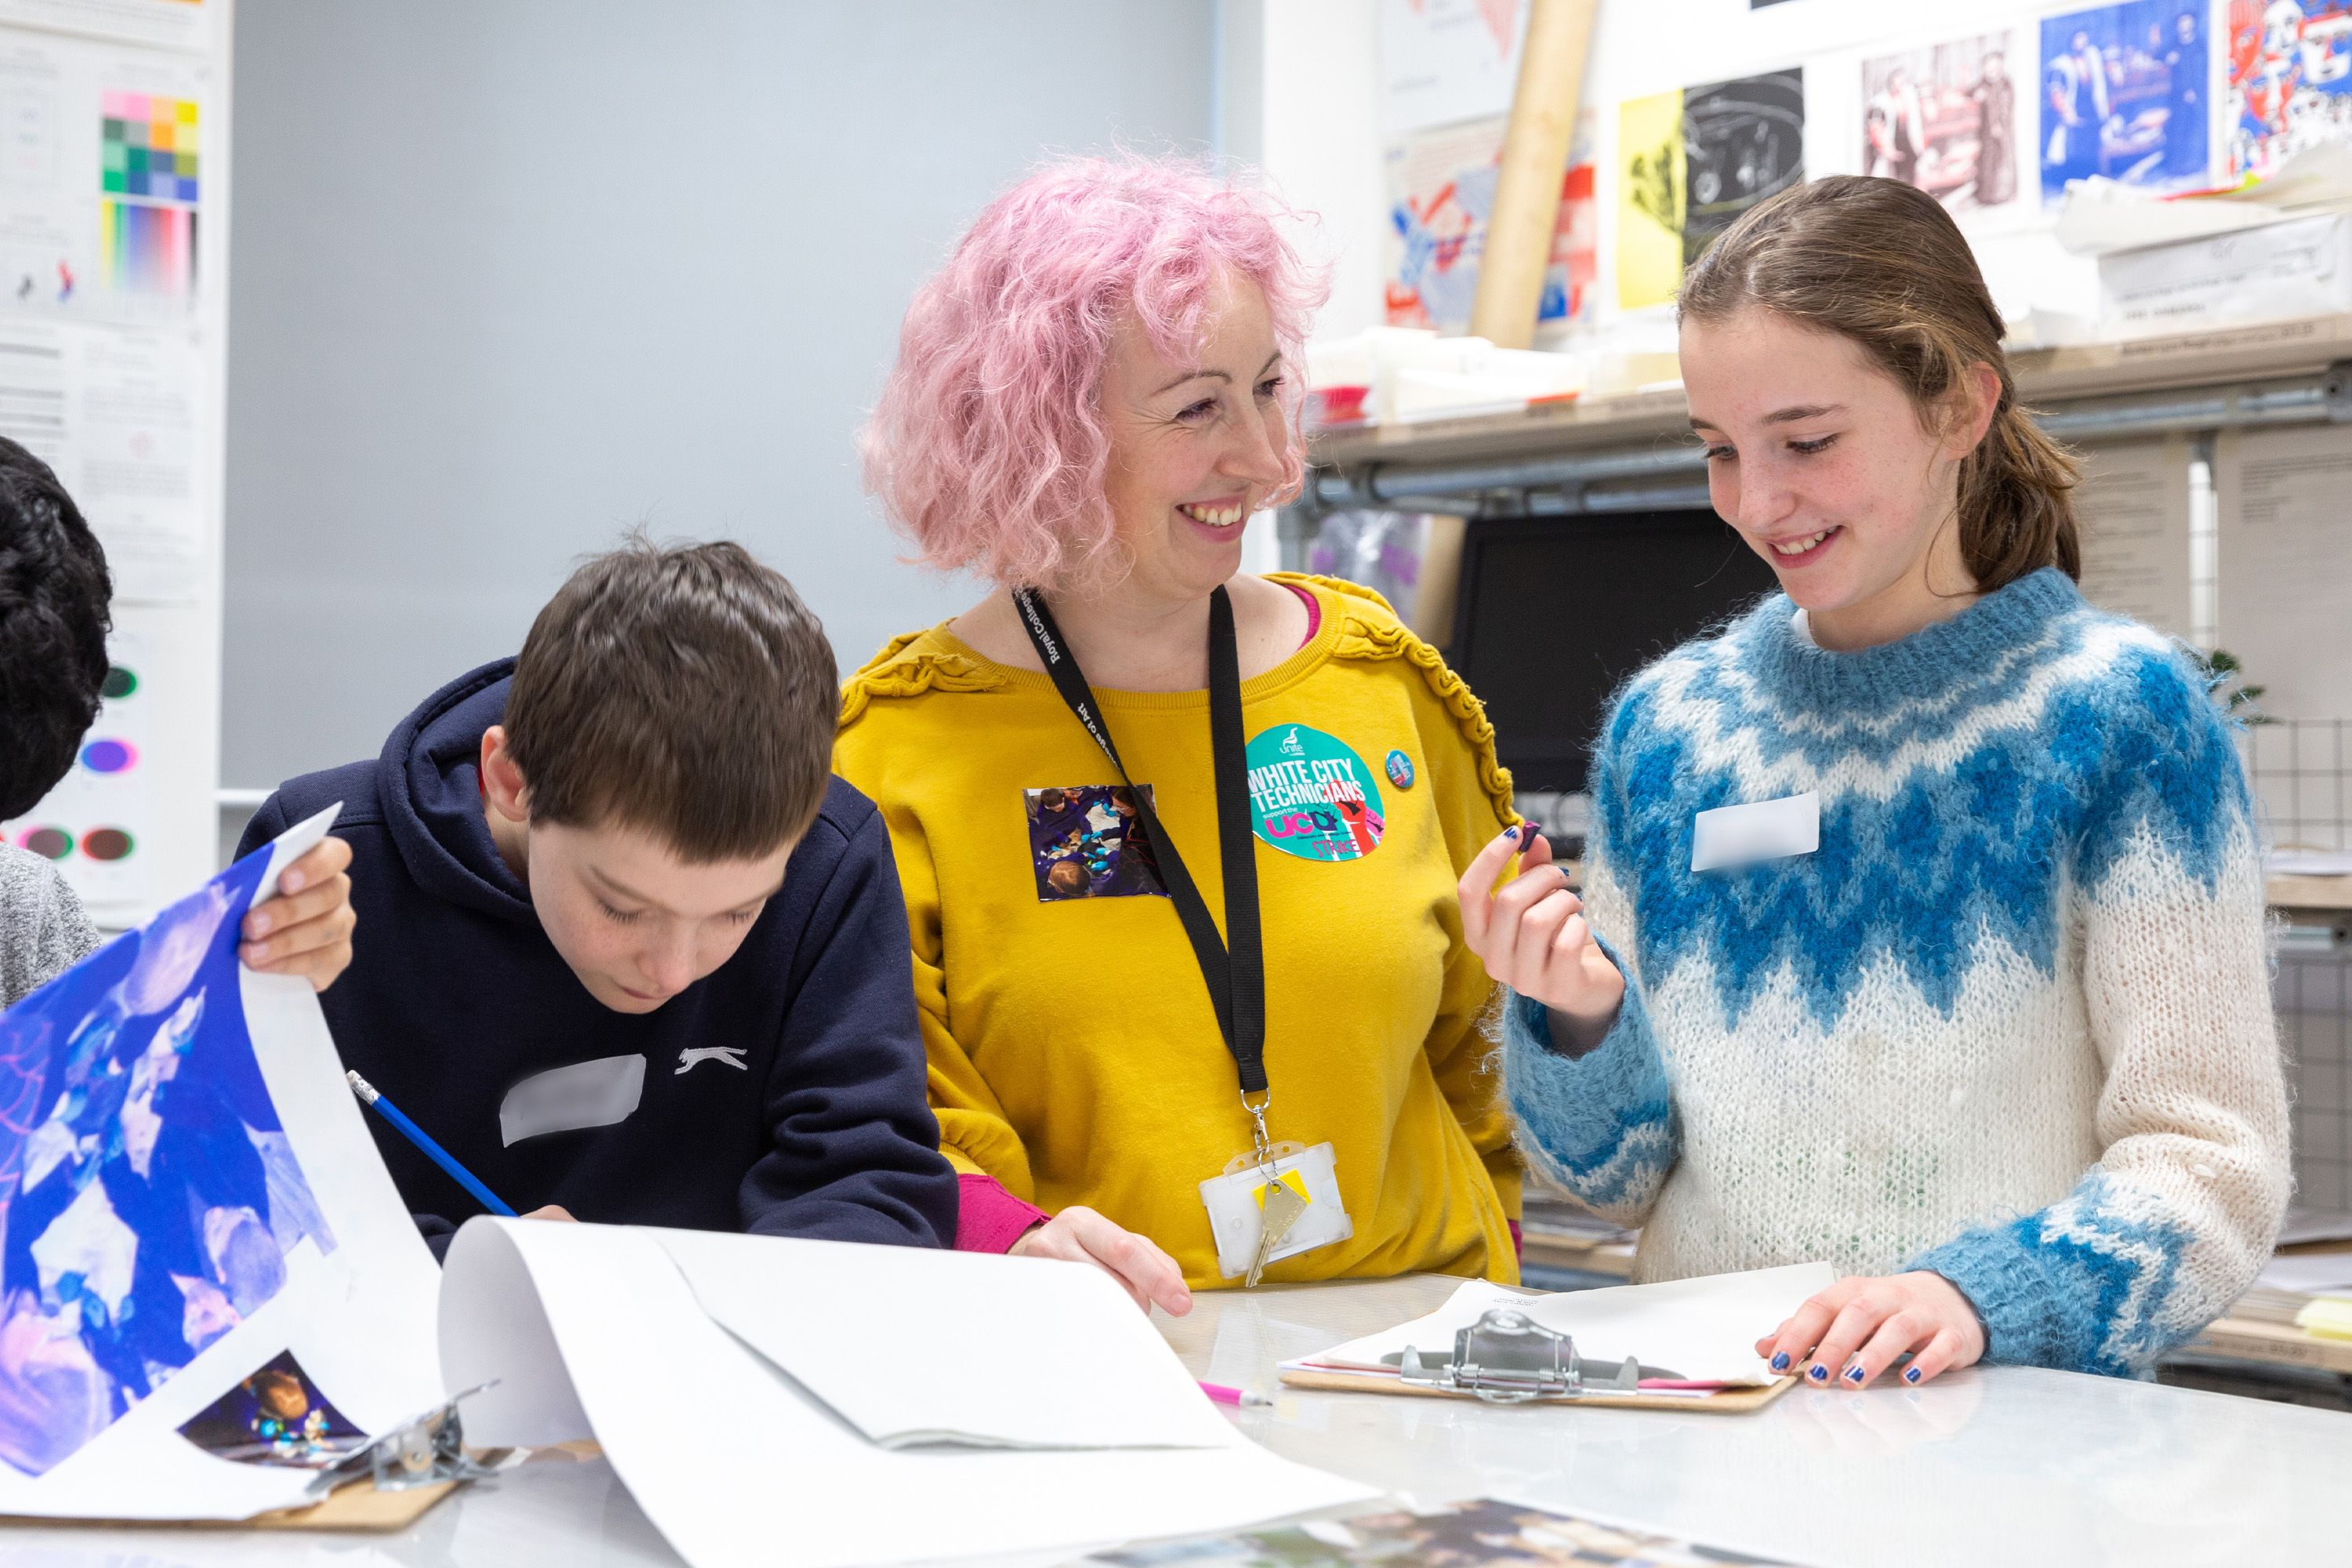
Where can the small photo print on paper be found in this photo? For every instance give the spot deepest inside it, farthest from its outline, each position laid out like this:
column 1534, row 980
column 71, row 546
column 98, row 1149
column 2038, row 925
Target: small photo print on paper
column 1480, row 1534
column 2123, row 95
column 1088, row 841
column 276, row 1416
column 1944, row 117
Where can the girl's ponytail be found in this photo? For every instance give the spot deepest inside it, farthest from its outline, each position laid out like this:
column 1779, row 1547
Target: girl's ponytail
column 2016, row 512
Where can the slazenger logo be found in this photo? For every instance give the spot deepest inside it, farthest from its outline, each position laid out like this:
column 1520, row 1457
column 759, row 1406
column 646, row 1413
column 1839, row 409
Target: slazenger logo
column 694, row 1056
column 1291, row 747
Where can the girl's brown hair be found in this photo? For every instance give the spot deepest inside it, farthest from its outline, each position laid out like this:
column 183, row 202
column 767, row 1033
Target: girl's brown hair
column 1882, row 264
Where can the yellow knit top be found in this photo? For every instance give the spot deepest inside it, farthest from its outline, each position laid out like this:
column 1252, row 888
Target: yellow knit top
column 1075, row 1055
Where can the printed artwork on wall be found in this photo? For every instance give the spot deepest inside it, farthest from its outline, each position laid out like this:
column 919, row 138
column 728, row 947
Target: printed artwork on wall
column 2290, row 80
column 2123, row 95
column 1944, row 117
column 1690, row 163
column 1441, row 186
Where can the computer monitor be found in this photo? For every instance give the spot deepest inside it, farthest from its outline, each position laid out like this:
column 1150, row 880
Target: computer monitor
column 1554, row 612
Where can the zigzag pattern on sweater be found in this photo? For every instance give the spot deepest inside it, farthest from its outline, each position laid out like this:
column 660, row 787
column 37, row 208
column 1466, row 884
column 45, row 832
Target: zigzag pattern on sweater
column 1945, row 815
column 2082, row 1284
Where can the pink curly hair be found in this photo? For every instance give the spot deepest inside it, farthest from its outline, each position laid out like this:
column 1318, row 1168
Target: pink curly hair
column 987, row 447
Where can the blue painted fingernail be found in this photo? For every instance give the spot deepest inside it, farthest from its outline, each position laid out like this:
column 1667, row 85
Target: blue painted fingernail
column 1781, row 1360
column 1853, row 1373
column 1818, row 1373
column 1910, row 1374
column 1528, row 831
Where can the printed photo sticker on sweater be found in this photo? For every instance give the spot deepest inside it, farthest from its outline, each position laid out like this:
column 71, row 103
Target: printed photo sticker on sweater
column 1088, row 841
column 1311, row 796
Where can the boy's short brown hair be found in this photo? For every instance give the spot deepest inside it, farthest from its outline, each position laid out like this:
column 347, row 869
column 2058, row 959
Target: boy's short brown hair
column 681, row 690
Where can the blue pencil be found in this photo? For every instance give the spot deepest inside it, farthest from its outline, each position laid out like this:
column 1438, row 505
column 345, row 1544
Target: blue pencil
column 432, row 1151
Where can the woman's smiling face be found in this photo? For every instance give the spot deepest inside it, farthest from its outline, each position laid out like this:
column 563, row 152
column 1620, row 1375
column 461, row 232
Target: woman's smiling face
column 1823, row 463
column 1197, row 443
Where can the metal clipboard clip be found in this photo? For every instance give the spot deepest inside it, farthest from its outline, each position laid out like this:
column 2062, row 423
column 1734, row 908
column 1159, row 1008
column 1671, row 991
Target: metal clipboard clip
column 1508, row 1358
column 419, row 1452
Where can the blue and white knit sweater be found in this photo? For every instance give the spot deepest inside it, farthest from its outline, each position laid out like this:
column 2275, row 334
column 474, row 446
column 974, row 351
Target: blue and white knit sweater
column 2010, row 1021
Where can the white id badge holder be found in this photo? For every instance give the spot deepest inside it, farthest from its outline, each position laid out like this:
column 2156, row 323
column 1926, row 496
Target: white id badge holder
column 1236, row 1204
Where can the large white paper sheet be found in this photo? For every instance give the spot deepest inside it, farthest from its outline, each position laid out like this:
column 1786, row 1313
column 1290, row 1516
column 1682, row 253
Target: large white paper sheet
column 594, row 1331
column 258, row 1208
column 1702, row 1329
column 973, row 1348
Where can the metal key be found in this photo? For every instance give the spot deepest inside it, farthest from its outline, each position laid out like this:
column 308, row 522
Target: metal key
column 1282, row 1208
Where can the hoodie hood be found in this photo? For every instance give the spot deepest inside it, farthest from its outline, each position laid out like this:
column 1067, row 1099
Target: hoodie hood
column 430, row 787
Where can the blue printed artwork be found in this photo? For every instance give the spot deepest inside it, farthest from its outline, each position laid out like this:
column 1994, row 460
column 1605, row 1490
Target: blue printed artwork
column 2125, row 94
column 149, row 1197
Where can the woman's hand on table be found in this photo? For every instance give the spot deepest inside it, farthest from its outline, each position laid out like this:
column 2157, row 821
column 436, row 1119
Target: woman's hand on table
column 306, row 929
column 1532, row 937
column 1859, row 1327
column 1079, row 1234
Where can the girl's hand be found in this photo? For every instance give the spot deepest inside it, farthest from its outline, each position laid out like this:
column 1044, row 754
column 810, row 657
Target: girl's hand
column 1532, row 937
column 1079, row 1234
column 306, row 929
column 1854, row 1329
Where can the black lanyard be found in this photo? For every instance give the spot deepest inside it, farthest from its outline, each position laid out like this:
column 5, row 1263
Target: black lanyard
column 1233, row 967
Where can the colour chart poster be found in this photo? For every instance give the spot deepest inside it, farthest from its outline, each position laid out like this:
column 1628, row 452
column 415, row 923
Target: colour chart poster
column 95, row 825
column 103, row 179
column 2289, row 81
column 1693, row 161
column 114, row 411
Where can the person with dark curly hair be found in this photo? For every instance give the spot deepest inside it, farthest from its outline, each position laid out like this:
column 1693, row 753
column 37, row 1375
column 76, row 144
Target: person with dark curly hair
column 54, row 617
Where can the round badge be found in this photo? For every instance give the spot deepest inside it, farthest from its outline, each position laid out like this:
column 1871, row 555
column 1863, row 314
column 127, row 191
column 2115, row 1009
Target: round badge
column 1399, row 768
column 1311, row 796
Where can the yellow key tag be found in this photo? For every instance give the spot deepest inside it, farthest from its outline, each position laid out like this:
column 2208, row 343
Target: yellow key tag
column 1257, row 1222
column 1281, row 1201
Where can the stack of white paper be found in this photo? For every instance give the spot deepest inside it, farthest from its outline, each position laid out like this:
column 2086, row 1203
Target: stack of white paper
column 758, row 1396
column 1696, row 1330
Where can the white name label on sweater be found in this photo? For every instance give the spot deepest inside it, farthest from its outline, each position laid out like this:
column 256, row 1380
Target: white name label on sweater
column 1761, row 830
column 585, row 1094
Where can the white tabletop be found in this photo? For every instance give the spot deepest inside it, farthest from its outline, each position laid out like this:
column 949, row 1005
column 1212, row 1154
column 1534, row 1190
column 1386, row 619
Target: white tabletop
column 2002, row 1465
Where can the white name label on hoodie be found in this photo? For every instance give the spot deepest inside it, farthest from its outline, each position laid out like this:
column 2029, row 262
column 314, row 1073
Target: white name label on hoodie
column 584, row 1094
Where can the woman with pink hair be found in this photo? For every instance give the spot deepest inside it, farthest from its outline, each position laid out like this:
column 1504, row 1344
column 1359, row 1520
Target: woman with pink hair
column 1179, row 843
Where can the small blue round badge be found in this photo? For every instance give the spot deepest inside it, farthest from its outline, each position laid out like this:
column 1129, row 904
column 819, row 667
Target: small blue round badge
column 1399, row 768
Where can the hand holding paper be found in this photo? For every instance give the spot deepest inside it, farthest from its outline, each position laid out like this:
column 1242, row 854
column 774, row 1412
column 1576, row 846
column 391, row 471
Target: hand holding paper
column 306, row 929
column 1079, row 1234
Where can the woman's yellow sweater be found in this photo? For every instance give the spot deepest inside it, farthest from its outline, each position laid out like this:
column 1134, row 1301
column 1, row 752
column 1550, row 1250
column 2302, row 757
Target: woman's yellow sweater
column 1075, row 1055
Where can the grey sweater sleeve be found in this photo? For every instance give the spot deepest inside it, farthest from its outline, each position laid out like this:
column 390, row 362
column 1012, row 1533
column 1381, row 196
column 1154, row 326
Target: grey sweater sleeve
column 43, row 932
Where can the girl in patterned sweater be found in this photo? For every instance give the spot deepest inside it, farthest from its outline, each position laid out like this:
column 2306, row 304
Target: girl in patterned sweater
column 2000, row 1045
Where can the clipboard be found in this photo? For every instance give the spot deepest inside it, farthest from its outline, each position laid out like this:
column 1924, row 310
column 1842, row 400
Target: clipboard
column 359, row 1505
column 1508, row 1358
column 1726, row 1402
column 388, row 1484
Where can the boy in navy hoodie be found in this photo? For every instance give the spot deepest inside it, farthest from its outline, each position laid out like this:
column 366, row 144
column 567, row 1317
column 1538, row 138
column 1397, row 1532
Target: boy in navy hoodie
column 626, row 948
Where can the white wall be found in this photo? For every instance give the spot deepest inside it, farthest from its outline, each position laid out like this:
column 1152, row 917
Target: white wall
column 513, row 277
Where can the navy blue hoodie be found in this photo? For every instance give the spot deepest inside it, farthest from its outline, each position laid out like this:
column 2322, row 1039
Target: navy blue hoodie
column 783, row 1093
